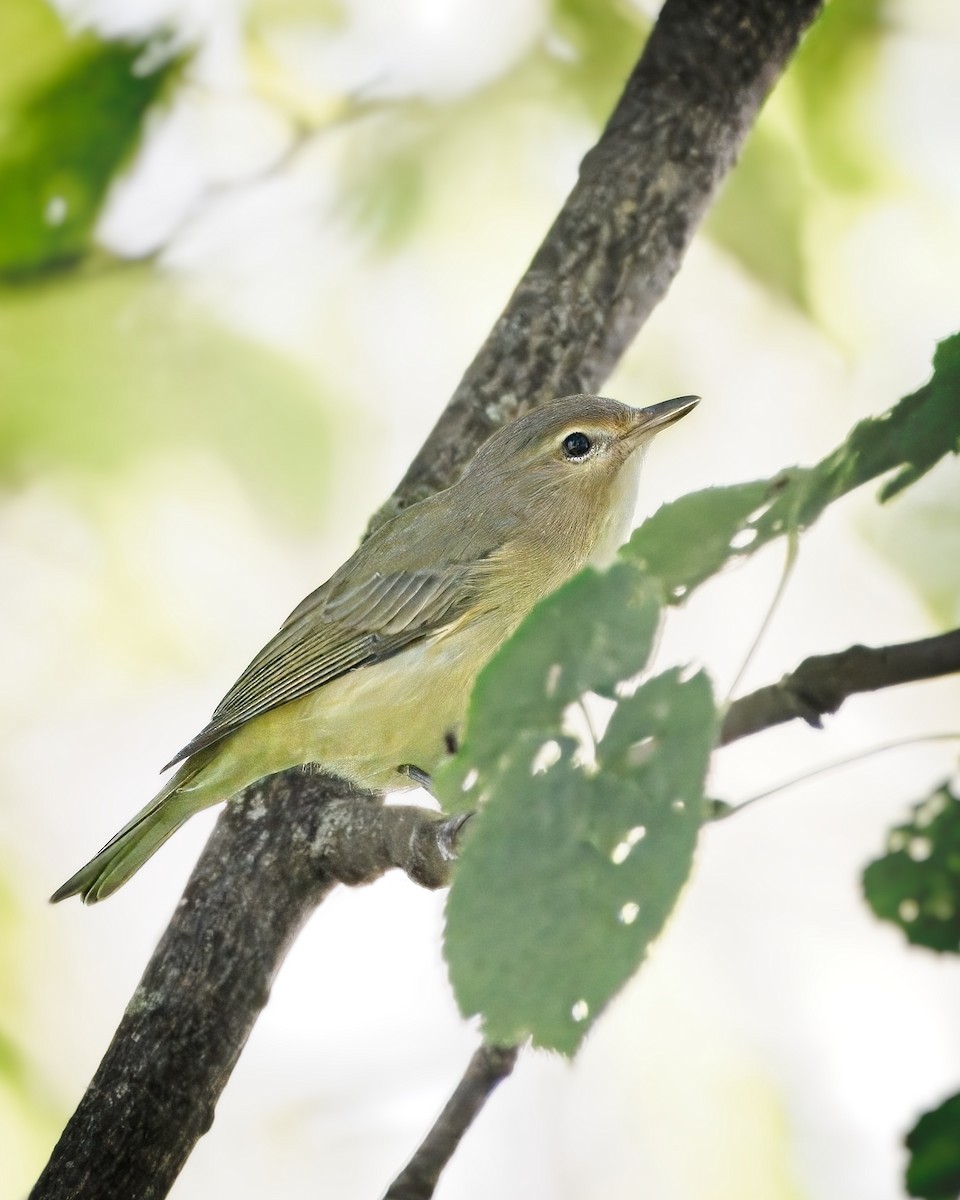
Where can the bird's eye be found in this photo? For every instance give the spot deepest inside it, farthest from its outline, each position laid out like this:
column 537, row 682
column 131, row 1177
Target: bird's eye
column 576, row 446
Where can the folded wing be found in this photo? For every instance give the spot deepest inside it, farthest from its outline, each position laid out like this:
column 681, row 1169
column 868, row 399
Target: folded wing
column 338, row 629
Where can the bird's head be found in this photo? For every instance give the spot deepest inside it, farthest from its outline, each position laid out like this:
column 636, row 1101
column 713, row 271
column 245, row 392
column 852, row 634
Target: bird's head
column 574, row 445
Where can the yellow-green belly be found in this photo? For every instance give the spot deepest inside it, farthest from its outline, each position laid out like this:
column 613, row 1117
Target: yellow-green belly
column 362, row 726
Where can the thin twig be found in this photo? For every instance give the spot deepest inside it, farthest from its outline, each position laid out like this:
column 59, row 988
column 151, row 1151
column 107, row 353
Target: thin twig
column 488, row 1067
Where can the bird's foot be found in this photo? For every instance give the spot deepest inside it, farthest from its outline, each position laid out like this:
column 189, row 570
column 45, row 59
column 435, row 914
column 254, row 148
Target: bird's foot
column 448, row 834
column 420, row 777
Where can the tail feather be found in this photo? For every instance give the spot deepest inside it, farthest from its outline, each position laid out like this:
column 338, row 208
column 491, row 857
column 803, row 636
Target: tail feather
column 128, row 850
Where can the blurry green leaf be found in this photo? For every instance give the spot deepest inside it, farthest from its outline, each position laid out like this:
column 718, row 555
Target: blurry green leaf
column 595, row 45
column 813, row 147
column 98, row 370
column 34, row 44
column 65, row 142
column 916, row 884
column 571, row 868
column 921, row 540
column 933, row 1171
column 384, row 179
column 686, row 542
column 759, row 215
column 404, row 157
column 830, row 77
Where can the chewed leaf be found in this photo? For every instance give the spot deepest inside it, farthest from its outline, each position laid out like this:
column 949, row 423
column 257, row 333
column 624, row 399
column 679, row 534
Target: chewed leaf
column 569, row 874
column 595, row 631
column 687, row 541
column 916, row 884
column 933, row 1172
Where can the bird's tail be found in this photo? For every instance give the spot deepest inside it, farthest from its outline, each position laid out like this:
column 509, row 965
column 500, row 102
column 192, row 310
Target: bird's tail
column 128, row 850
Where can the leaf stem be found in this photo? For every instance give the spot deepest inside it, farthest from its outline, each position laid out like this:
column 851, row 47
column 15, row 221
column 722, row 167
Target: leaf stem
column 846, row 761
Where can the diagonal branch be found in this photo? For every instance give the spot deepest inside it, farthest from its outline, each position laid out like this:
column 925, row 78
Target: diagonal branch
column 821, row 683
column 606, row 262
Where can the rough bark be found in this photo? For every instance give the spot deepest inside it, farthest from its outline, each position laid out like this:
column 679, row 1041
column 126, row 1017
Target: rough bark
column 605, row 263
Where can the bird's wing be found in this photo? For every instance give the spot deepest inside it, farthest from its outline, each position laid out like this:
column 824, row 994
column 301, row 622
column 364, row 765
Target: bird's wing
column 338, row 629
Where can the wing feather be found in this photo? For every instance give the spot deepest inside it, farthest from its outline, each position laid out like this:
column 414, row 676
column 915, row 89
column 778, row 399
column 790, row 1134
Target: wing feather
column 336, row 630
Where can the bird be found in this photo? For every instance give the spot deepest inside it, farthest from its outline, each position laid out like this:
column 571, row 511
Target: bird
column 369, row 677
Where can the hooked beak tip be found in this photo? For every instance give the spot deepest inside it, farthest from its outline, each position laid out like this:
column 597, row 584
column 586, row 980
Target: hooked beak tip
column 652, row 419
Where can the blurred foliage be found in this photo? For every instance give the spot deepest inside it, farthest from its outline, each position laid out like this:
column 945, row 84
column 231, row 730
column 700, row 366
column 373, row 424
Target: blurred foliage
column 916, row 884
column 933, row 1172
column 760, row 212
column 811, row 144
column 75, row 127
column 922, row 541
column 35, row 45
column 595, row 46
column 29, row 1117
column 532, row 936
column 65, row 138
column 99, row 368
column 829, row 80
column 396, row 159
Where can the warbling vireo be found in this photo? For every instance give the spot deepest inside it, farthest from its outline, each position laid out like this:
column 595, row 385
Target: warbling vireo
column 372, row 672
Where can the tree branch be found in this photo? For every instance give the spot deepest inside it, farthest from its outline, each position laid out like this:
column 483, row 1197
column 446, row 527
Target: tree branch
column 488, row 1067
column 821, row 683
column 607, row 260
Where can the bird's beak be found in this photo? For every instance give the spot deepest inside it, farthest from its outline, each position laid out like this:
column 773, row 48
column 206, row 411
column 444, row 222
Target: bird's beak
column 649, row 421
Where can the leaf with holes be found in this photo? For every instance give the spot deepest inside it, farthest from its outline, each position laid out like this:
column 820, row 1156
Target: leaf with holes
column 916, row 884
column 933, row 1171
column 65, row 144
column 687, row 541
column 570, row 872
column 593, row 632
column 690, row 539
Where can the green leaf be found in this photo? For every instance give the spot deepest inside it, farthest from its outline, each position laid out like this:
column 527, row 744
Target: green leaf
column 34, row 43
column 543, row 921
column 933, row 1171
column 812, row 161
column 687, row 541
column 593, row 632
column 690, row 539
column 916, row 884
column 66, row 142
column 571, row 866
